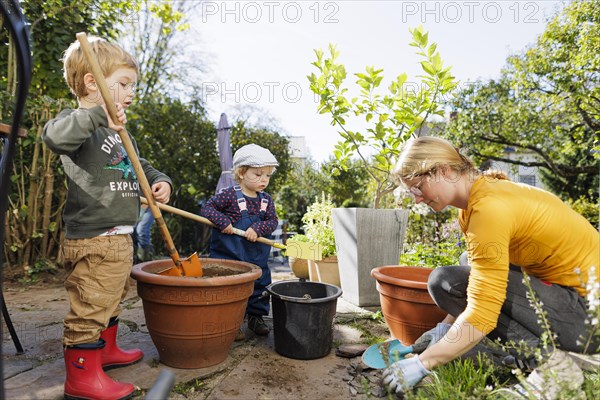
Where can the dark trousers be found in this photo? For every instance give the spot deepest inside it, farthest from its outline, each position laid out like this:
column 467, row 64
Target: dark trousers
column 518, row 321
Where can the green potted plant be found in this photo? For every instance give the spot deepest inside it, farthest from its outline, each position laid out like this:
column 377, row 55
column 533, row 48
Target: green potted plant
column 368, row 238
column 318, row 227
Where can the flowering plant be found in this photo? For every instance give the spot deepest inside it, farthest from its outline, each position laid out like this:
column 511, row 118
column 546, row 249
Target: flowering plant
column 318, row 224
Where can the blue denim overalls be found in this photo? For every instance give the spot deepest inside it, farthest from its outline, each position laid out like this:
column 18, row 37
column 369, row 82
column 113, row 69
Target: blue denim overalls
column 234, row 247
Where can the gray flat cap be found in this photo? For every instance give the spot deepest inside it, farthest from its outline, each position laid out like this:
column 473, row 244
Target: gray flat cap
column 252, row 155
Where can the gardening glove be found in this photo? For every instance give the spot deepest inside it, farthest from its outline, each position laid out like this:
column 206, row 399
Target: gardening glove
column 402, row 375
column 435, row 334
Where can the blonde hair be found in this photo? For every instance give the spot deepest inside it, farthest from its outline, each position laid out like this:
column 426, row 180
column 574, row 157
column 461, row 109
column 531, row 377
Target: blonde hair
column 110, row 56
column 426, row 154
column 239, row 171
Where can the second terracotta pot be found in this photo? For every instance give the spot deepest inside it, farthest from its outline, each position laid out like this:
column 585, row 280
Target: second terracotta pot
column 193, row 321
column 325, row 271
column 407, row 307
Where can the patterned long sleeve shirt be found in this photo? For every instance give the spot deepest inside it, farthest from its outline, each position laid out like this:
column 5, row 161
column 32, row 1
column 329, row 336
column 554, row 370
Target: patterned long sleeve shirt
column 222, row 209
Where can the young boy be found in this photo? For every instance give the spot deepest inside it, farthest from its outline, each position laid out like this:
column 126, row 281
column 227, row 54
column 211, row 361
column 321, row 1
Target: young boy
column 249, row 208
column 101, row 209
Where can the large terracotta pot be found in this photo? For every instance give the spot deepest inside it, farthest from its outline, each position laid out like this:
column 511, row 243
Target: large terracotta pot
column 193, row 321
column 406, row 305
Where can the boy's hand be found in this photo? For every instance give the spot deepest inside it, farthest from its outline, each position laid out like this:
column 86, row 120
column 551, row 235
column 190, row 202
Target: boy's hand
column 161, row 192
column 121, row 118
column 251, row 235
column 228, row 230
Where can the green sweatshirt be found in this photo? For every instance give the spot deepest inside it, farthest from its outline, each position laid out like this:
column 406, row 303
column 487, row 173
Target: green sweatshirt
column 103, row 190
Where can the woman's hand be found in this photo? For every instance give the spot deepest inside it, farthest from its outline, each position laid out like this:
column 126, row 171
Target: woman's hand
column 402, row 375
column 435, row 334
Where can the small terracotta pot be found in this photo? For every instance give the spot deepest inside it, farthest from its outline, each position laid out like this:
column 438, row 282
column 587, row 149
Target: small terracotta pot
column 299, row 267
column 193, row 321
column 407, row 307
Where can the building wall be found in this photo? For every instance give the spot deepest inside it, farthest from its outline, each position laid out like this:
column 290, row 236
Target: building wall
column 298, row 149
column 520, row 173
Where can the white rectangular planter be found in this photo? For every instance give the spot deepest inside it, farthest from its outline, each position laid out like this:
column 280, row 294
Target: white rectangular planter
column 366, row 238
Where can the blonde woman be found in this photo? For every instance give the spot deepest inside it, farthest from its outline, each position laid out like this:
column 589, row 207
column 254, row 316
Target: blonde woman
column 510, row 229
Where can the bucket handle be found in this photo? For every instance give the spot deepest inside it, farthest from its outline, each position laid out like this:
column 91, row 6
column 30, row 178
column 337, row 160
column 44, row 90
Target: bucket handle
column 299, row 299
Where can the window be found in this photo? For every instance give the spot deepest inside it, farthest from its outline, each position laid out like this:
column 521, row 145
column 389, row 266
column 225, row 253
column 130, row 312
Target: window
column 528, row 179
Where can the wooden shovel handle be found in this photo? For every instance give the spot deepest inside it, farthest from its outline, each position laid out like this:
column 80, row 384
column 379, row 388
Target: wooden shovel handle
column 133, row 157
column 206, row 221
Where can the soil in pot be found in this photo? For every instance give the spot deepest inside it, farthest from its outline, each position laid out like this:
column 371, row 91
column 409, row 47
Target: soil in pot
column 406, row 305
column 193, row 321
column 212, row 270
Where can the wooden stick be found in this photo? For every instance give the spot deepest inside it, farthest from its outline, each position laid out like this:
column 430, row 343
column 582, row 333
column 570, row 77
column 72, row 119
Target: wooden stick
column 206, row 221
column 5, row 130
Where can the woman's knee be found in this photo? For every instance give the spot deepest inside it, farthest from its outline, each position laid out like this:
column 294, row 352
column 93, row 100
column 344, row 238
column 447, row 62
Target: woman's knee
column 446, row 283
column 446, row 278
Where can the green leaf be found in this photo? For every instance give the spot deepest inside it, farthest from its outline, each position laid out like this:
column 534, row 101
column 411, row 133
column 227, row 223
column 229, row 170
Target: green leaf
column 427, row 67
column 431, row 49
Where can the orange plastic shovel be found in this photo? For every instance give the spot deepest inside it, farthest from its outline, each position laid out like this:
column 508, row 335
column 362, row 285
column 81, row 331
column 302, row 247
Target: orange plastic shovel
column 183, row 267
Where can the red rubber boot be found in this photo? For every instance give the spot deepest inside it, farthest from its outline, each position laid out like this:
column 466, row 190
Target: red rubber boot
column 85, row 377
column 112, row 355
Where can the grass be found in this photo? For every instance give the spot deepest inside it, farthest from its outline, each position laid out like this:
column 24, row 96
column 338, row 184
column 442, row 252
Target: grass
column 372, row 328
column 465, row 379
column 187, row 388
column 591, row 384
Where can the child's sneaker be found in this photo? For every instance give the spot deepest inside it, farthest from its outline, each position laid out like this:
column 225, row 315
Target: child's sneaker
column 258, row 325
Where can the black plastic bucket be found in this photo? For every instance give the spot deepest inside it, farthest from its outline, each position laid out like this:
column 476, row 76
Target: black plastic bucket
column 303, row 318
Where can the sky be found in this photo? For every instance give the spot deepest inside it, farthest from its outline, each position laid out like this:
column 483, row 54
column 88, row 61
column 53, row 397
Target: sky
column 259, row 53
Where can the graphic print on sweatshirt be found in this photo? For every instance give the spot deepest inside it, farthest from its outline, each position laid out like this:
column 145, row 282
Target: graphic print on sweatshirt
column 121, row 162
column 128, row 184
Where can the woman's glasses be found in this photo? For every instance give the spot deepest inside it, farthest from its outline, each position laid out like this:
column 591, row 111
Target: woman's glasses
column 415, row 190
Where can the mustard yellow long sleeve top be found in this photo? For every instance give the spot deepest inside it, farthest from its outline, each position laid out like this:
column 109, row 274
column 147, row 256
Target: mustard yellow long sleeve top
column 508, row 222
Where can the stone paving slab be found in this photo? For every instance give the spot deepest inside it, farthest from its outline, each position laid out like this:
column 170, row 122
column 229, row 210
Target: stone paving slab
column 46, row 381
column 587, row 362
column 16, row 367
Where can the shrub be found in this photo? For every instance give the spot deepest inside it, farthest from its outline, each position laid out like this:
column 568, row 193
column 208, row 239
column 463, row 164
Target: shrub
column 587, row 208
